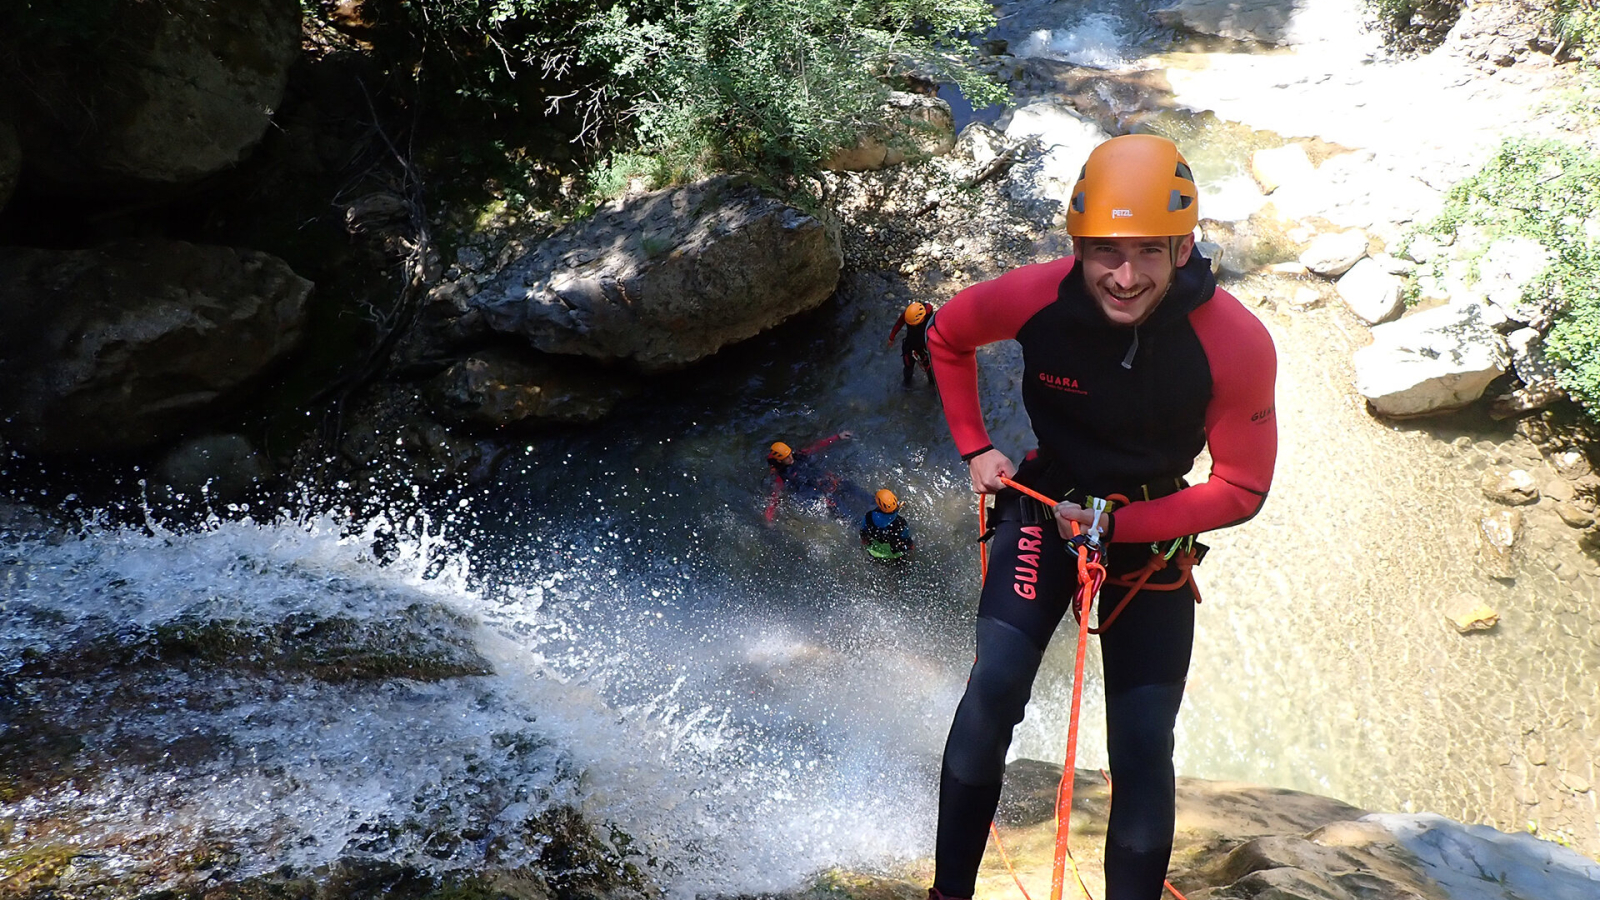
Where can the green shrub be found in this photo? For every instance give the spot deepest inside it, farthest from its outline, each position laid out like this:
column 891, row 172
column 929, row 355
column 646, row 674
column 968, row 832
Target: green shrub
column 1576, row 24
column 1414, row 25
column 768, row 87
column 1544, row 190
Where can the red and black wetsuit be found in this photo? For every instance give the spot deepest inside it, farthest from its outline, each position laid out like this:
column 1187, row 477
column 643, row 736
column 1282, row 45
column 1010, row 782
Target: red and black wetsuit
column 804, row 478
column 914, row 349
column 1116, row 410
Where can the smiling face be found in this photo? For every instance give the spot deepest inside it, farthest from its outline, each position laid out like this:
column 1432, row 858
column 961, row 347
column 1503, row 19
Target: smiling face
column 1128, row 276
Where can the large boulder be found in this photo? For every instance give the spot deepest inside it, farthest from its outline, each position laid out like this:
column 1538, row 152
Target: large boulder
column 1370, row 292
column 185, row 90
column 914, row 126
column 1063, row 138
column 118, row 347
column 1245, row 842
column 1433, row 361
column 1333, row 253
column 664, row 279
column 1506, row 270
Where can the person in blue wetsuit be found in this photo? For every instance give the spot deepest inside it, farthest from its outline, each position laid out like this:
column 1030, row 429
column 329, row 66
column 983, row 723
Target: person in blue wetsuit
column 884, row 532
column 800, row 474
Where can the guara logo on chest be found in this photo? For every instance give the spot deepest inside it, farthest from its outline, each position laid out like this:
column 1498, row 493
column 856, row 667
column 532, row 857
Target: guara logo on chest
column 1062, row 383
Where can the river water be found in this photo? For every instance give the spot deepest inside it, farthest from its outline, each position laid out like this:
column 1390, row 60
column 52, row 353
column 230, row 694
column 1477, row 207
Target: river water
column 753, row 702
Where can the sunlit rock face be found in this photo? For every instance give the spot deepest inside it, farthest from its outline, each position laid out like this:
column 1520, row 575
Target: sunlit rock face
column 664, row 279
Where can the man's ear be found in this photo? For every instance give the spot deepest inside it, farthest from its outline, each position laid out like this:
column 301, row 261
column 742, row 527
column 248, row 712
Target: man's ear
column 1185, row 248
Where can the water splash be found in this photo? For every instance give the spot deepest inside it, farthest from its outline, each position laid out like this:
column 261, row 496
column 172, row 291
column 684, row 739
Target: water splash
column 1097, row 39
column 743, row 750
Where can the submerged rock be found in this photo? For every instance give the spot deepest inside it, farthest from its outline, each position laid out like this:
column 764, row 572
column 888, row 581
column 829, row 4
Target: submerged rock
column 1498, row 535
column 1467, row 614
column 496, row 390
column 1513, row 487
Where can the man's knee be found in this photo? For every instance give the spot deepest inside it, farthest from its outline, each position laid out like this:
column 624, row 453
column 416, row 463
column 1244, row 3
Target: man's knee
column 1139, row 725
column 997, row 695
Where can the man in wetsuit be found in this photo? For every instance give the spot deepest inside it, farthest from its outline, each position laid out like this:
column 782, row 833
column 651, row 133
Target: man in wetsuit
column 799, row 474
column 914, row 349
column 1133, row 362
column 884, row 532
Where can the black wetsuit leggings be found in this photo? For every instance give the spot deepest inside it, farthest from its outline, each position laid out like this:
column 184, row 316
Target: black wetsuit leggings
column 1030, row 585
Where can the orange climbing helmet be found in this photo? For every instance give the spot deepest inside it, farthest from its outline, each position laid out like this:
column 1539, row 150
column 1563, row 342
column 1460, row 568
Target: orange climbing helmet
column 916, row 312
column 887, row 501
column 780, row 453
column 1137, row 185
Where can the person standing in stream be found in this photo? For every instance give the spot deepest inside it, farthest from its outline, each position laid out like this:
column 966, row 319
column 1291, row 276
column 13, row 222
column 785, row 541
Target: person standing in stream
column 1134, row 361
column 914, row 349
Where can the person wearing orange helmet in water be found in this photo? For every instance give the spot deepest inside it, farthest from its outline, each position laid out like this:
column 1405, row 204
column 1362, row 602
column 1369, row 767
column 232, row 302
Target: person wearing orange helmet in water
column 914, row 349
column 799, row 474
column 1133, row 362
column 885, row 533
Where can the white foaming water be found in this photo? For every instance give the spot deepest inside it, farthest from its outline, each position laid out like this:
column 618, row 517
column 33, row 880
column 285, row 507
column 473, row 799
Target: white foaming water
column 1094, row 40
column 741, row 751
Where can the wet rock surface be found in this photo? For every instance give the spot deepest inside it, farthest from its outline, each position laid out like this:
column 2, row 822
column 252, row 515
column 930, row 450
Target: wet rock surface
column 120, row 347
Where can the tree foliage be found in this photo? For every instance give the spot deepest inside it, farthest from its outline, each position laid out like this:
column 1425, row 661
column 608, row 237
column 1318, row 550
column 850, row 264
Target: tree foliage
column 1544, row 190
column 763, row 86
column 1576, row 24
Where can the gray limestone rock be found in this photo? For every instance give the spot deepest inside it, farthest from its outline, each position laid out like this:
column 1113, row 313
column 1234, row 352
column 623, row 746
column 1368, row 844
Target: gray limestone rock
column 664, row 279
column 119, row 347
column 1435, row 360
column 1291, row 23
column 1333, row 253
column 1370, row 292
column 1504, row 273
column 185, row 91
column 1064, row 139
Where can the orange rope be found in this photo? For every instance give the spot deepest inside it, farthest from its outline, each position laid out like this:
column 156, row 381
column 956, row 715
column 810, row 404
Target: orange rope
column 1091, row 577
